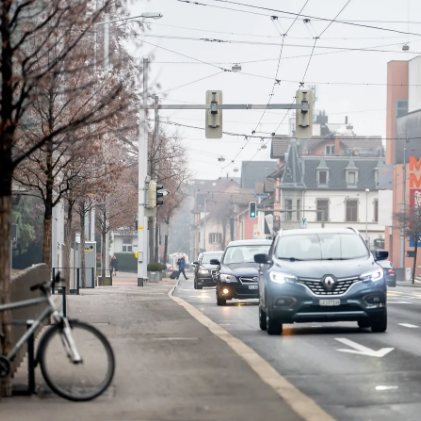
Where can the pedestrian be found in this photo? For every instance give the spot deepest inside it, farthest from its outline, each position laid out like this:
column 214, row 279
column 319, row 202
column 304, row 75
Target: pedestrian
column 181, row 263
column 114, row 265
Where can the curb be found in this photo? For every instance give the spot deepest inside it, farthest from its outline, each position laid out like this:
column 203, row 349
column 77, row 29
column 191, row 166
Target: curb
column 300, row 403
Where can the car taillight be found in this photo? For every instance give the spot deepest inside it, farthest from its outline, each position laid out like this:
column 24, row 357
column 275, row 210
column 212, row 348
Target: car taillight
column 391, row 271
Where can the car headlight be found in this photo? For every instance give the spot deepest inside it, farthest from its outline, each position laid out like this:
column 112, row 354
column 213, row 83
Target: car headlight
column 374, row 276
column 227, row 278
column 281, row 278
column 204, row 272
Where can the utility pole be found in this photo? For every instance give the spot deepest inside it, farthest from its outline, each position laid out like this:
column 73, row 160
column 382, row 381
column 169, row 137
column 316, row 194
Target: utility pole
column 403, row 206
column 142, row 233
column 158, row 157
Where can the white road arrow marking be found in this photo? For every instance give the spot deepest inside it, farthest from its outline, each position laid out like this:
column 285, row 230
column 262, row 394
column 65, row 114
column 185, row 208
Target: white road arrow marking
column 362, row 350
column 409, row 326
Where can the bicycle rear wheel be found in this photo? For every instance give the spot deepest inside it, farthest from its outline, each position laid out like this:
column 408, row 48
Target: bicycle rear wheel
column 77, row 382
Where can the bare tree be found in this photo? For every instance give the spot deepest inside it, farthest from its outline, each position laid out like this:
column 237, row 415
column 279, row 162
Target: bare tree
column 411, row 224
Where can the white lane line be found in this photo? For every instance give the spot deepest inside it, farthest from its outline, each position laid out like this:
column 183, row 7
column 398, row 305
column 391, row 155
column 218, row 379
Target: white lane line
column 408, row 325
column 199, row 296
column 303, row 405
column 361, row 349
column 398, row 302
column 381, row 388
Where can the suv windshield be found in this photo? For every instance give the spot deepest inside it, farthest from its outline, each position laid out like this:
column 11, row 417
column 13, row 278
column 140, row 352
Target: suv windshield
column 243, row 254
column 209, row 256
column 329, row 246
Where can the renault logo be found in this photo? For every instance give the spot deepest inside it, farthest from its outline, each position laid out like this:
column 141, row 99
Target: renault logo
column 329, row 283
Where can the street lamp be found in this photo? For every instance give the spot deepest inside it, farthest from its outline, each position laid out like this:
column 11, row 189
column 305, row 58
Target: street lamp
column 366, row 216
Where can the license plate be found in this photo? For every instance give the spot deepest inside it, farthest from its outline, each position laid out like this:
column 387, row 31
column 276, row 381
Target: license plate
column 253, row 286
column 330, row 303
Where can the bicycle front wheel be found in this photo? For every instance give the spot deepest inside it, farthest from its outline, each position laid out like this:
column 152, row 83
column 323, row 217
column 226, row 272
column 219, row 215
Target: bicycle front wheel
column 77, row 382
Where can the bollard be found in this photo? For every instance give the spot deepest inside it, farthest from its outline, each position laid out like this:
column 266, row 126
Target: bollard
column 63, row 293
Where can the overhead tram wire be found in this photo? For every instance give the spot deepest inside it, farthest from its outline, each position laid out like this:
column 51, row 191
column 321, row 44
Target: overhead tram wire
column 273, row 44
column 273, row 89
column 342, row 22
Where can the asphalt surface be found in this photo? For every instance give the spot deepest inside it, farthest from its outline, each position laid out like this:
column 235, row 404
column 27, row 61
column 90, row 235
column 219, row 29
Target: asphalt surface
column 169, row 366
column 380, row 382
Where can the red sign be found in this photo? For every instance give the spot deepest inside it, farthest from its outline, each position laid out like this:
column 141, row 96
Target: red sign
column 415, row 198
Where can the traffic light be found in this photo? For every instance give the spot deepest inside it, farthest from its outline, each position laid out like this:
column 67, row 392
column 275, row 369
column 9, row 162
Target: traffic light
column 159, row 194
column 252, row 209
column 213, row 116
column 304, row 117
column 155, row 193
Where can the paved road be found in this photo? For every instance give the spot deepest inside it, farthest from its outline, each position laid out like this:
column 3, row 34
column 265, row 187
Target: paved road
column 348, row 386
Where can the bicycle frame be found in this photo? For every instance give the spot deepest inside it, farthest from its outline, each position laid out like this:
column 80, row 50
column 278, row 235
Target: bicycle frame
column 36, row 323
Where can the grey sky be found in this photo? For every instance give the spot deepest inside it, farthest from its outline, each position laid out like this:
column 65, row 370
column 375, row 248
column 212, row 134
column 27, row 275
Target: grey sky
column 325, row 66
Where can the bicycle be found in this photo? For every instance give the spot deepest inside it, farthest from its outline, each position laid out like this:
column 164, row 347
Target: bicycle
column 62, row 335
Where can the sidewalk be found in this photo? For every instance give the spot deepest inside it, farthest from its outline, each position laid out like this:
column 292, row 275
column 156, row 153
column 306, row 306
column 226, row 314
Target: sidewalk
column 169, row 366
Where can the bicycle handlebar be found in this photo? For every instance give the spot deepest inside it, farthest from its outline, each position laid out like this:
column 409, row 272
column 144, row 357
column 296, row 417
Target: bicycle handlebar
column 44, row 286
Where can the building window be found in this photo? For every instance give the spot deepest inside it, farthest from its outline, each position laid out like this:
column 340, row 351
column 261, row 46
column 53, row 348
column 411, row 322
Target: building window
column 288, row 206
column 376, row 211
column 127, row 240
column 401, row 108
column 298, row 210
column 352, row 178
column 322, row 205
column 376, row 177
column 352, row 211
column 127, row 249
column 323, row 177
column 215, row 238
column 330, row 150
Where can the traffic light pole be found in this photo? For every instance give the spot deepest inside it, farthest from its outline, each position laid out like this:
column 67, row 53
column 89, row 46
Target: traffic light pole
column 142, row 229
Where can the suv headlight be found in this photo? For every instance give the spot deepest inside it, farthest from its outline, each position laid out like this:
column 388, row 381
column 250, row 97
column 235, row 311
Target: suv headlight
column 227, row 278
column 204, row 271
column 281, row 278
column 374, row 276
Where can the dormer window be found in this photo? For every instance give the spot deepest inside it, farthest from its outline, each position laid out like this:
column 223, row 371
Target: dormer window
column 352, row 178
column 323, row 177
column 330, row 150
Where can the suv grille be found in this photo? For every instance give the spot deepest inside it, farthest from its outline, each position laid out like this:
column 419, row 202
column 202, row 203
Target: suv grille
column 248, row 279
column 341, row 287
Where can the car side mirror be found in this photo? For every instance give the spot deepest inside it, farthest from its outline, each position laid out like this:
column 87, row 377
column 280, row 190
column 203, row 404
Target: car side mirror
column 215, row 262
column 381, row 255
column 195, row 263
column 261, row 258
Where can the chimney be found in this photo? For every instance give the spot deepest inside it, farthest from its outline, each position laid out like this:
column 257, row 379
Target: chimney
column 337, row 145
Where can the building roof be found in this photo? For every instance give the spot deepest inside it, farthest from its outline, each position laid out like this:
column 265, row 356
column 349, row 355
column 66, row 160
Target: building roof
column 337, row 167
column 293, row 174
column 363, row 145
column 253, row 172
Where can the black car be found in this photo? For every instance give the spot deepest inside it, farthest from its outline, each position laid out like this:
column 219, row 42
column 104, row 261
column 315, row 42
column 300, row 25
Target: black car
column 204, row 270
column 237, row 272
column 321, row 275
column 389, row 272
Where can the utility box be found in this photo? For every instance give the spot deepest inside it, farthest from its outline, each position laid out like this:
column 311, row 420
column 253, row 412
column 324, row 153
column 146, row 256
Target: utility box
column 90, row 264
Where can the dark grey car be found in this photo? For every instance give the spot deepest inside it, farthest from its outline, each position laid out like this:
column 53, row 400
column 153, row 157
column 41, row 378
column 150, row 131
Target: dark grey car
column 389, row 272
column 204, row 270
column 321, row 275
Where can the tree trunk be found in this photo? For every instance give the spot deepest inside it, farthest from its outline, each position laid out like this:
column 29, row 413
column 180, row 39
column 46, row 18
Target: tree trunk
column 82, row 214
column 151, row 239
column 5, row 250
column 415, row 261
column 48, row 211
column 46, row 247
column 156, row 243
column 104, row 246
column 165, row 249
column 67, row 252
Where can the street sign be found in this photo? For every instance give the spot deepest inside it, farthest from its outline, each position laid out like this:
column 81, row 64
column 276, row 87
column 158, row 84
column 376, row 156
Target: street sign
column 303, row 223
